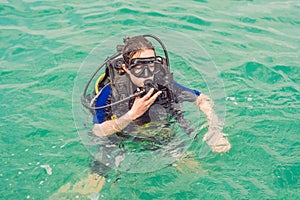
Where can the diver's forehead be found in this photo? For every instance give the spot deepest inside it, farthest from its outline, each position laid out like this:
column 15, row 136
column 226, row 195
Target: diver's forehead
column 145, row 54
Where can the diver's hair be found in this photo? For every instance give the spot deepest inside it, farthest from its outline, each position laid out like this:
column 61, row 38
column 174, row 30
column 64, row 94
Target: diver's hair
column 134, row 45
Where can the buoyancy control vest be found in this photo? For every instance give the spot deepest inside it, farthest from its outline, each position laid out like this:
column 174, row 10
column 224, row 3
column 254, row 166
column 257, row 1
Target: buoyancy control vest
column 122, row 87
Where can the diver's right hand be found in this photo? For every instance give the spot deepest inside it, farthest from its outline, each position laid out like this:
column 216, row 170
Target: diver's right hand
column 142, row 104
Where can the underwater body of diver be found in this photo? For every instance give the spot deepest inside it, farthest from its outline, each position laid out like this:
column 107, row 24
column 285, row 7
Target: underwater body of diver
column 133, row 74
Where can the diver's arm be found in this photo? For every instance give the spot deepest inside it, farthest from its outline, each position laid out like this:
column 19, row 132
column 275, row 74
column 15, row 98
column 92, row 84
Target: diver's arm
column 111, row 126
column 214, row 136
column 206, row 106
column 139, row 107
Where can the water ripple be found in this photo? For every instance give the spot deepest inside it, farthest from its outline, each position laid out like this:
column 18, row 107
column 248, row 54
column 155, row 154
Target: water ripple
column 254, row 44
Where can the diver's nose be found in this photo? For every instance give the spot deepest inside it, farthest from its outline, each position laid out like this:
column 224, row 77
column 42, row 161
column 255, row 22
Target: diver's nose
column 147, row 72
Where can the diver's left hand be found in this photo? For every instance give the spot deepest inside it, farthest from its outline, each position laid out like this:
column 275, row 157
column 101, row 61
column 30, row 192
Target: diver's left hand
column 222, row 145
column 216, row 139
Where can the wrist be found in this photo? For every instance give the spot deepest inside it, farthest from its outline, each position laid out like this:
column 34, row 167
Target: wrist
column 130, row 115
column 122, row 122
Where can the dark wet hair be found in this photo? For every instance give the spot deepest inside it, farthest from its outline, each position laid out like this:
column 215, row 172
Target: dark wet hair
column 133, row 45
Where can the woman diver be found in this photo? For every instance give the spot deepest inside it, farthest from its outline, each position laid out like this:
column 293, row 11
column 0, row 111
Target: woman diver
column 143, row 73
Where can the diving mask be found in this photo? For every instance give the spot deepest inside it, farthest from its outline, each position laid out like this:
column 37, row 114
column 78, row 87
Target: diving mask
column 145, row 67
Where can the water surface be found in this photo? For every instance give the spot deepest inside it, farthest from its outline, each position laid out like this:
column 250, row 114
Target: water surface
column 254, row 45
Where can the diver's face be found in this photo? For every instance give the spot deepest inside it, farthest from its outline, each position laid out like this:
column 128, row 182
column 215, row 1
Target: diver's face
column 139, row 81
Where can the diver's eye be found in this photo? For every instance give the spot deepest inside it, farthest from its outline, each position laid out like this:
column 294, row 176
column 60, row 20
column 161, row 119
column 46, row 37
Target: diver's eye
column 151, row 67
column 137, row 68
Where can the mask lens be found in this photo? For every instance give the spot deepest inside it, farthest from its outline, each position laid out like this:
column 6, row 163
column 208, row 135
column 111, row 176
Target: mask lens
column 145, row 67
column 137, row 69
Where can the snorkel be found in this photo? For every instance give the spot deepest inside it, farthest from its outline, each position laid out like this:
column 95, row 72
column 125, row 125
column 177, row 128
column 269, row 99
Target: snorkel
column 115, row 62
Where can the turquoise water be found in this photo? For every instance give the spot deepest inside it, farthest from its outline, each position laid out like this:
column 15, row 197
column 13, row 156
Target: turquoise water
column 254, row 44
